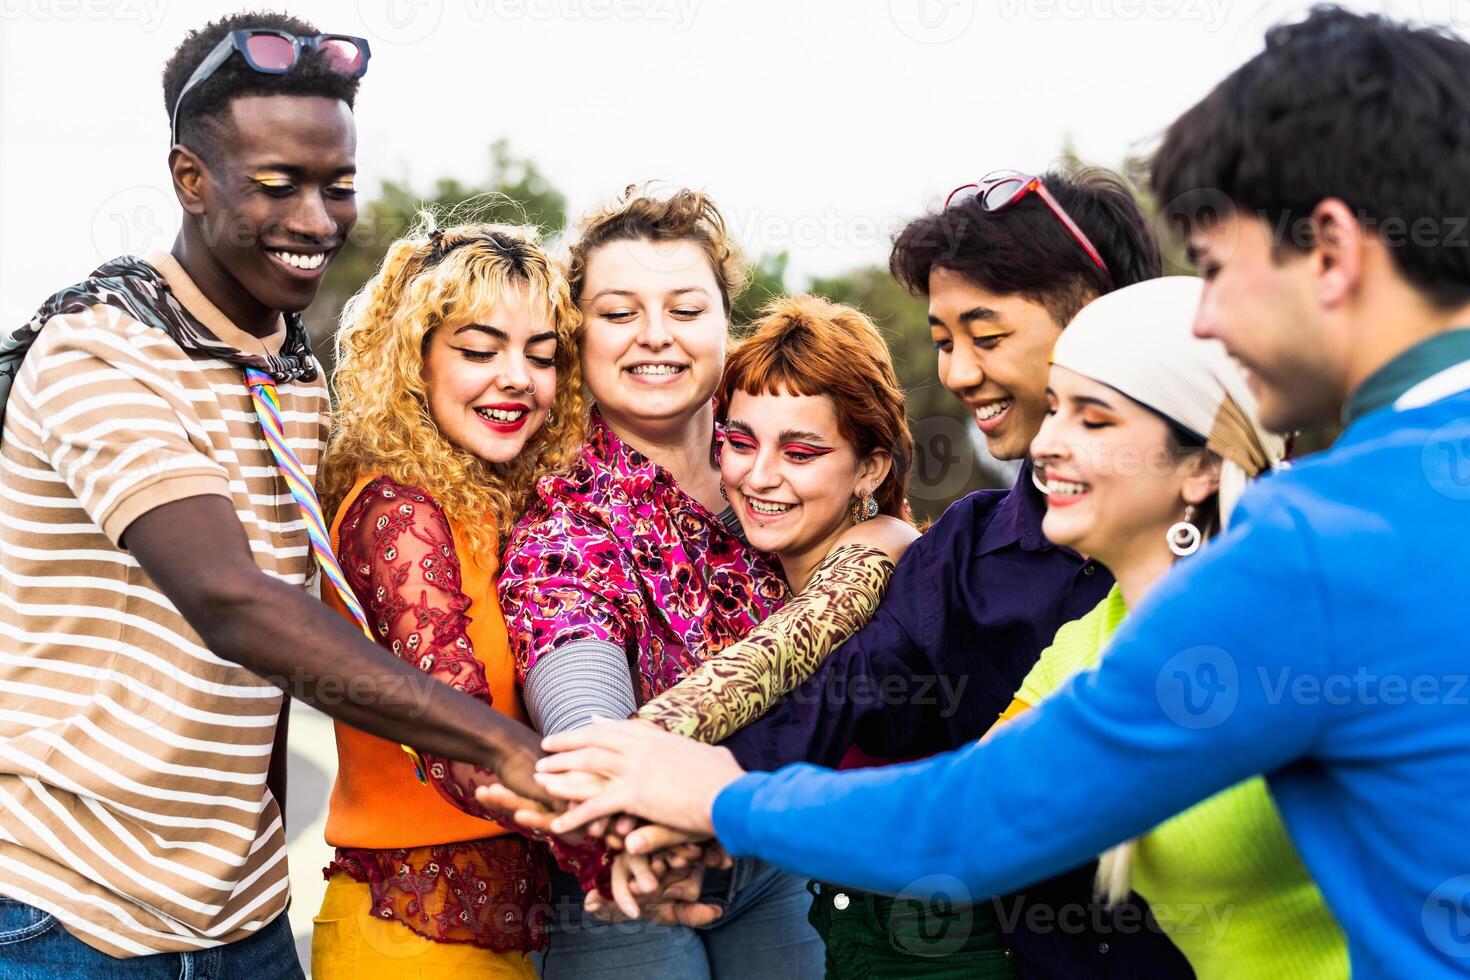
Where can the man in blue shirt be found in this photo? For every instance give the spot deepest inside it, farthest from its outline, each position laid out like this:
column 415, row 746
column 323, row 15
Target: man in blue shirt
column 1320, row 640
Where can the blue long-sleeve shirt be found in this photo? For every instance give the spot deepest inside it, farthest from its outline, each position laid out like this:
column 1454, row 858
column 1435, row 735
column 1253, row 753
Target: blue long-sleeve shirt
column 1321, row 641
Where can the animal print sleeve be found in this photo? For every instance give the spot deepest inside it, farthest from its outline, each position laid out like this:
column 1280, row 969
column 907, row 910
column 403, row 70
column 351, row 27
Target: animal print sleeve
column 735, row 686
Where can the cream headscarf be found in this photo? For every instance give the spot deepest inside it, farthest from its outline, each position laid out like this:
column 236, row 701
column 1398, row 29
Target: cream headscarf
column 1139, row 340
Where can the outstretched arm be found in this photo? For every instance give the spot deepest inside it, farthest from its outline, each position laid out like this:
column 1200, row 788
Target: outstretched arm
column 195, row 550
column 738, row 684
column 1176, row 712
column 821, row 719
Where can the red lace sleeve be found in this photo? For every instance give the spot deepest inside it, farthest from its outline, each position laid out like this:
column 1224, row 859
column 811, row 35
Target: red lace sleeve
column 397, row 551
column 398, row 554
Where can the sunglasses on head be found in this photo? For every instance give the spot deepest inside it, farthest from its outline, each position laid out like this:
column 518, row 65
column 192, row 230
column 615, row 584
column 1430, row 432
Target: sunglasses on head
column 273, row 52
column 999, row 190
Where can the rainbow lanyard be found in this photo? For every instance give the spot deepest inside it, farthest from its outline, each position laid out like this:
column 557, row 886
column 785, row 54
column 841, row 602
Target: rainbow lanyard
column 268, row 410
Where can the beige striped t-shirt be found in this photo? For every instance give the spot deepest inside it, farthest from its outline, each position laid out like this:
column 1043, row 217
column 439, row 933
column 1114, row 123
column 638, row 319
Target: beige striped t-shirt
column 133, row 803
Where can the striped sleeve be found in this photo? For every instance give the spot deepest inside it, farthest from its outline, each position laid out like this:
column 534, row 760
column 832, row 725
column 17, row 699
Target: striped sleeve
column 586, row 680
column 114, row 421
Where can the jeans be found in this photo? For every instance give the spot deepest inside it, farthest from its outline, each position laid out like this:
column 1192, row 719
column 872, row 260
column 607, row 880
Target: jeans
column 873, row 937
column 35, row 946
column 763, row 934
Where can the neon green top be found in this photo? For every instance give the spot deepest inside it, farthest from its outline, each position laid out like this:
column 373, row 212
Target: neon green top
column 1222, row 878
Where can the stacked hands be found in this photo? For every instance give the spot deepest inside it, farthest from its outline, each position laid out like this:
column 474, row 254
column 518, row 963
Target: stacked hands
column 648, row 795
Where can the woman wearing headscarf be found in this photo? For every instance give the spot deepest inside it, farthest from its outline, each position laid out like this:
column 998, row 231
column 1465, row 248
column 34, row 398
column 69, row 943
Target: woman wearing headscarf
column 1150, row 438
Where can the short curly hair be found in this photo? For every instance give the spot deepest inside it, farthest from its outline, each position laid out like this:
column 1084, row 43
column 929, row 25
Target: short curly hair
column 644, row 213
column 204, row 117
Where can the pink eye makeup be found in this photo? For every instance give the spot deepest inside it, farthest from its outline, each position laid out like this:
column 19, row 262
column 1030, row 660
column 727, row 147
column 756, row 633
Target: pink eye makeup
column 802, row 452
column 740, row 443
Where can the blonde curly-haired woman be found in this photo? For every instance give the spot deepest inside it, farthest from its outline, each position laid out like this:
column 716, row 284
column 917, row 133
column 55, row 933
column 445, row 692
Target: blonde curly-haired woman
column 457, row 385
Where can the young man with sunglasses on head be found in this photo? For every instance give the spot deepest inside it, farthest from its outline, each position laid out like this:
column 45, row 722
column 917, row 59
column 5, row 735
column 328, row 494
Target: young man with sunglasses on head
column 163, row 425
column 1321, row 640
column 1004, row 264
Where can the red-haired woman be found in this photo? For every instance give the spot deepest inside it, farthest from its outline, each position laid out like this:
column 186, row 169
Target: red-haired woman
column 815, row 464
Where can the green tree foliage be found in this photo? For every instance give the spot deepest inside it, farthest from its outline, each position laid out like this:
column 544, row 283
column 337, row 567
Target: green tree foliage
column 767, row 281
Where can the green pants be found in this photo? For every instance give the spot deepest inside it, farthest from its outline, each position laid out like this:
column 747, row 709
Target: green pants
column 871, row 936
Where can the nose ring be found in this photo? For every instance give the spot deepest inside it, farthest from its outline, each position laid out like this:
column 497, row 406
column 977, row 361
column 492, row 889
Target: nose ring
column 531, row 388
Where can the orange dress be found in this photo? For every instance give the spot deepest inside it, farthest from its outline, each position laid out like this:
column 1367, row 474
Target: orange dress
column 431, row 858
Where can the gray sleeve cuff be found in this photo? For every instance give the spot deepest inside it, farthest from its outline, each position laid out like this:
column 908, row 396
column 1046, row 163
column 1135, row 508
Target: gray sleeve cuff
column 573, row 684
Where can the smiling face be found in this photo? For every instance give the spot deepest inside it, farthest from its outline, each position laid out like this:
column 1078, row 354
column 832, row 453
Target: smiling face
column 1262, row 307
column 1115, row 484
column 993, row 354
column 278, row 205
column 790, row 475
column 478, row 369
column 654, row 346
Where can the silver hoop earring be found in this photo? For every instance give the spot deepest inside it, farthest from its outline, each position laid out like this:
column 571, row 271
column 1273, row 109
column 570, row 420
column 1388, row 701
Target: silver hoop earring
column 1184, row 538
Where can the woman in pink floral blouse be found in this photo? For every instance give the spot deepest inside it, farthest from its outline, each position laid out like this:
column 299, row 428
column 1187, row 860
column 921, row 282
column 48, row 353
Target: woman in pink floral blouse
column 633, row 557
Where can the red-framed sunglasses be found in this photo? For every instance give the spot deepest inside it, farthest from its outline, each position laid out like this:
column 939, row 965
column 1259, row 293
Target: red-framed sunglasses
column 1003, row 188
column 273, row 52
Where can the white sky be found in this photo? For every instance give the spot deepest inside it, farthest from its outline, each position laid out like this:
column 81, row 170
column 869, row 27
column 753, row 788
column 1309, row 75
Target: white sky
column 819, row 125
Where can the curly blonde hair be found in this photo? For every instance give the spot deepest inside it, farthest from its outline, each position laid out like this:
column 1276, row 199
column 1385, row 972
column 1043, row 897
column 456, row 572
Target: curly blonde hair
column 643, row 213
column 381, row 422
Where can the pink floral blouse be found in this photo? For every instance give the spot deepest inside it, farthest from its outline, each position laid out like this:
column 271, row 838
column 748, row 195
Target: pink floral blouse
column 613, row 550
